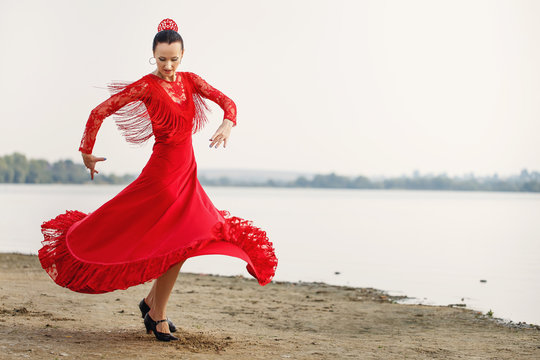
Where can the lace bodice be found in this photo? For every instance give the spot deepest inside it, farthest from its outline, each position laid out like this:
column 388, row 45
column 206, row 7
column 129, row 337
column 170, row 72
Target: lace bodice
column 154, row 106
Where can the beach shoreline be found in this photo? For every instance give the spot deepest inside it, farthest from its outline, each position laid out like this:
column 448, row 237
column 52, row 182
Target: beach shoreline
column 234, row 317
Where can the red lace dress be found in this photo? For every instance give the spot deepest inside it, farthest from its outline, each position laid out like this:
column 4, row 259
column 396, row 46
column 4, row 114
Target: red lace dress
column 164, row 216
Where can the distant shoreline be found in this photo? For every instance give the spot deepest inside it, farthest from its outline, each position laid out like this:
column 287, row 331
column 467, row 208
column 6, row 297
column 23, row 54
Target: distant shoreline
column 381, row 295
column 234, row 317
column 17, row 169
column 211, row 184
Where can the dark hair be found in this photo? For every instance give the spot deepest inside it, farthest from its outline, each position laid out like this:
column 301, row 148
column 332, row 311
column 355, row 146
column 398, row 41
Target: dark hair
column 167, row 36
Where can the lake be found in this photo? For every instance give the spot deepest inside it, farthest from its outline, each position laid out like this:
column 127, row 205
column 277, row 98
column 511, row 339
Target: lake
column 433, row 246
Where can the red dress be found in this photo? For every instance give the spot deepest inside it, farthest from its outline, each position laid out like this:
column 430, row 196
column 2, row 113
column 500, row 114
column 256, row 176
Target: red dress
column 164, row 216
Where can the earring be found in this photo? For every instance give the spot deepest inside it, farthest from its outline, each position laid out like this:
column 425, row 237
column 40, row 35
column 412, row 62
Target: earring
column 150, row 61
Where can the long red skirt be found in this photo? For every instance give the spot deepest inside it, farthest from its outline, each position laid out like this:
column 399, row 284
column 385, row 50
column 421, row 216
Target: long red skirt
column 160, row 219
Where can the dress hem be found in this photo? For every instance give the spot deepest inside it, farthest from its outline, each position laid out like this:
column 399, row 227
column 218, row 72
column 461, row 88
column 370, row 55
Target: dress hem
column 85, row 277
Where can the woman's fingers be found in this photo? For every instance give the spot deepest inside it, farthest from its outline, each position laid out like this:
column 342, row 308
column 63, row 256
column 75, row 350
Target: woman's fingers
column 92, row 171
column 214, row 139
column 218, row 139
column 221, row 135
column 90, row 162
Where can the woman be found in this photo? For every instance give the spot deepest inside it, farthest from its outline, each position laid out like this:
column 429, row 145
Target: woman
column 163, row 217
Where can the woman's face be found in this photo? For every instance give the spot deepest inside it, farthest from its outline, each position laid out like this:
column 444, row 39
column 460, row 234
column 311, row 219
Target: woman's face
column 168, row 58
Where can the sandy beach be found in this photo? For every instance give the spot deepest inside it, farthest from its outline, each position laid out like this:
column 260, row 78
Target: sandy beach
column 220, row 317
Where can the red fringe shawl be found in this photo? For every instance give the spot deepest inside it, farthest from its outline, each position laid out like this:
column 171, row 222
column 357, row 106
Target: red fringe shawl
column 153, row 112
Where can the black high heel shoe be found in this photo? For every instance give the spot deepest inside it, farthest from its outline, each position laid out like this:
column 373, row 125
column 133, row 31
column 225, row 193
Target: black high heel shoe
column 151, row 326
column 145, row 308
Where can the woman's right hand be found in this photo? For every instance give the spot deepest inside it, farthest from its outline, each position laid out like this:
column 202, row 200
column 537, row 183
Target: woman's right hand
column 90, row 162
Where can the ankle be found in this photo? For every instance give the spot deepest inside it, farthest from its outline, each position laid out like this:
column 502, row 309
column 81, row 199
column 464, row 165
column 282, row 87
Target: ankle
column 157, row 315
column 149, row 301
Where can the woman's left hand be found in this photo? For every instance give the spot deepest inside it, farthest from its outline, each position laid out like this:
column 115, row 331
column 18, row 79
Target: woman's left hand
column 222, row 133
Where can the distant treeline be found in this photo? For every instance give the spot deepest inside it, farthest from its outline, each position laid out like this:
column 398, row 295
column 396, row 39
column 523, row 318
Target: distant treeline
column 525, row 182
column 16, row 168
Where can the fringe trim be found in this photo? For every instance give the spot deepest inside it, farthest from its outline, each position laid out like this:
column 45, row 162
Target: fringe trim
column 74, row 274
column 168, row 117
column 132, row 119
column 253, row 241
column 199, row 119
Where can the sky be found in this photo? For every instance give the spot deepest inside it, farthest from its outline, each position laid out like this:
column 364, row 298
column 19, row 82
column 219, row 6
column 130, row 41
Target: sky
column 353, row 87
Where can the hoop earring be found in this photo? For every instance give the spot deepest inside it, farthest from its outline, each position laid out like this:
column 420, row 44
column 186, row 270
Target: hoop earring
column 151, row 62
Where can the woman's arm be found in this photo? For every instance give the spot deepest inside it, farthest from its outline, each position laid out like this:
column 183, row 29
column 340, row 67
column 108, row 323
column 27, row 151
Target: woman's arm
column 130, row 92
column 108, row 107
column 211, row 93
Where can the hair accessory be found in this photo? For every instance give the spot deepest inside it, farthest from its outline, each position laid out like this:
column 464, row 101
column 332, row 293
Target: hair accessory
column 167, row 24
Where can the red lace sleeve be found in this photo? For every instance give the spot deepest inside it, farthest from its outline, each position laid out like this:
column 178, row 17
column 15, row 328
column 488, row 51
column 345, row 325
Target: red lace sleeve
column 130, row 93
column 211, row 93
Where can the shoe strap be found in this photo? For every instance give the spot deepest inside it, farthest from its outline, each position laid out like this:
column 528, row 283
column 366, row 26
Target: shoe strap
column 162, row 320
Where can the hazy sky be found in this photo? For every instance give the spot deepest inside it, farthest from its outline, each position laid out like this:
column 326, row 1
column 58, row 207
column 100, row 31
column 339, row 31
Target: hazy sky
column 355, row 87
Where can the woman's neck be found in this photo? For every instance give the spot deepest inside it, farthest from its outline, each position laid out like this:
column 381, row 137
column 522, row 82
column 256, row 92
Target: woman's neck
column 173, row 77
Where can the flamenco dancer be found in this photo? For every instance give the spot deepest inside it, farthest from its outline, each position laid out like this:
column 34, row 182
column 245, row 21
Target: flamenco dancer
column 162, row 218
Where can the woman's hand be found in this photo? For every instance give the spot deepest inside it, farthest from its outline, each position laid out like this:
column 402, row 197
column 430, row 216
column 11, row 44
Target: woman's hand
column 90, row 162
column 222, row 133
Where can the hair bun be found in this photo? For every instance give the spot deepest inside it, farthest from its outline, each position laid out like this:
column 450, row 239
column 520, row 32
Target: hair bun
column 167, row 24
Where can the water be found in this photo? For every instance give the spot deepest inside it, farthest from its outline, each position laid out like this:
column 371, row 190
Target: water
column 433, row 246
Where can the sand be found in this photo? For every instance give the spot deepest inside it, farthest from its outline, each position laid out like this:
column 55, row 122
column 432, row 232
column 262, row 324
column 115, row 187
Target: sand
column 220, row 317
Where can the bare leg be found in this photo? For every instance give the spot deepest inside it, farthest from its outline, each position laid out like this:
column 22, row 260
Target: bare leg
column 162, row 288
column 149, row 299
